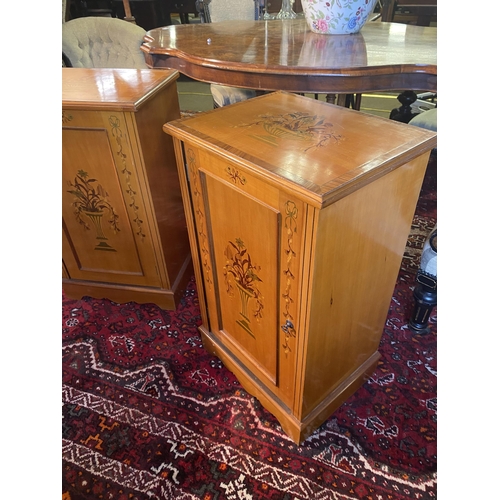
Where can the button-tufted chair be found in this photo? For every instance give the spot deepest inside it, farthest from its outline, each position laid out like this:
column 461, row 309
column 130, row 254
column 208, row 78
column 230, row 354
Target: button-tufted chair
column 102, row 42
column 426, row 119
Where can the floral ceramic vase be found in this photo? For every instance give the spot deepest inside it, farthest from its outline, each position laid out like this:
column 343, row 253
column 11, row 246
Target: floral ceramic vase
column 337, row 17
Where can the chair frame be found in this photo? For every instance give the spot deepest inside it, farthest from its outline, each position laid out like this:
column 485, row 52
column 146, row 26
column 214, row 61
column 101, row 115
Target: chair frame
column 203, row 10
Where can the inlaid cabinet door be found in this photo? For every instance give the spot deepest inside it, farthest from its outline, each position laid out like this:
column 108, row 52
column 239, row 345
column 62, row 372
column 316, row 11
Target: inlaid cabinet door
column 250, row 234
column 106, row 235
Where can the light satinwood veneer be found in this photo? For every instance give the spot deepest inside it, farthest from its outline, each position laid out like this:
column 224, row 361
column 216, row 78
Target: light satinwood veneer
column 298, row 213
column 124, row 231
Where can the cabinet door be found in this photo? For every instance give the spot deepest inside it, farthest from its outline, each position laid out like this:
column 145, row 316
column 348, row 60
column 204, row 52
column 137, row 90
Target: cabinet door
column 249, row 235
column 106, row 235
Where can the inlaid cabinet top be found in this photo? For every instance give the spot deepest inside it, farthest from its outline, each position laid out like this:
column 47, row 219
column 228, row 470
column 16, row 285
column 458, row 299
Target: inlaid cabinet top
column 112, row 89
column 317, row 149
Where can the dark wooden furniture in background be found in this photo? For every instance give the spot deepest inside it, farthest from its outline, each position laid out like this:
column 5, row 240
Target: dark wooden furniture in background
column 274, row 6
column 150, row 14
column 181, row 7
column 85, row 8
column 147, row 14
column 286, row 55
column 124, row 231
column 422, row 10
column 298, row 215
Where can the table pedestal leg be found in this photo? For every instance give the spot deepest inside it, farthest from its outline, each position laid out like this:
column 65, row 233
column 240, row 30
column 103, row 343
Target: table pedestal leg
column 331, row 98
column 404, row 113
column 346, row 100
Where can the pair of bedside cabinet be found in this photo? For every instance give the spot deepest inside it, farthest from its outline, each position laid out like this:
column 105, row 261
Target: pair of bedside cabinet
column 295, row 212
column 124, row 232
column 298, row 213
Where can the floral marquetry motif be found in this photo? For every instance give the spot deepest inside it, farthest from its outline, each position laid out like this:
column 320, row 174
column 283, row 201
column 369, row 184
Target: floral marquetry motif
column 91, row 201
column 200, row 213
column 240, row 271
column 119, row 137
column 314, row 129
column 66, row 117
column 291, row 212
column 235, row 176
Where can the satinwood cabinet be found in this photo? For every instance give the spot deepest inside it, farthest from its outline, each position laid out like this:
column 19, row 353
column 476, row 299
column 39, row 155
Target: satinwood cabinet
column 298, row 213
column 124, row 231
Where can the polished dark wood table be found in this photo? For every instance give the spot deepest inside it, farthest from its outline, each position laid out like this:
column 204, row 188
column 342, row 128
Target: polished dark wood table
column 286, row 55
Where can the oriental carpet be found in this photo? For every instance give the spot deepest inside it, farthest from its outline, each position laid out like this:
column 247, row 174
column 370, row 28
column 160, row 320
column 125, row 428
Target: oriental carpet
column 149, row 414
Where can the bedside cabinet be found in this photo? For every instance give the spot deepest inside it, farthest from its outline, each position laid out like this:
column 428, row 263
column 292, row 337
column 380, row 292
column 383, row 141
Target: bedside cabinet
column 298, row 213
column 124, row 231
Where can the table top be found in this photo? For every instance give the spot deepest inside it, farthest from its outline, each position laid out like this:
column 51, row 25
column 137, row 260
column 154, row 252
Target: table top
column 111, row 89
column 286, row 55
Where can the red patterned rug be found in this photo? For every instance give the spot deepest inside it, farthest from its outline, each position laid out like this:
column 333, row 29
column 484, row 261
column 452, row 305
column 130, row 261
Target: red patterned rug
column 149, row 414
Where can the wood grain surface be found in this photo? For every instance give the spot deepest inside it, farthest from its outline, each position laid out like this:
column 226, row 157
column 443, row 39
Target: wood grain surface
column 286, row 55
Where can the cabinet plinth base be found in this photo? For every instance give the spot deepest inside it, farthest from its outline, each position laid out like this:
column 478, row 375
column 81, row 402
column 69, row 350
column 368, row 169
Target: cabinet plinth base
column 296, row 429
column 165, row 299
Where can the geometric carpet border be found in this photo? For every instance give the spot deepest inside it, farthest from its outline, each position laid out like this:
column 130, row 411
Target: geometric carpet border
column 301, row 488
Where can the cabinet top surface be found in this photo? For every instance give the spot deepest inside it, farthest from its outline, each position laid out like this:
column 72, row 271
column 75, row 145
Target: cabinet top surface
column 313, row 146
column 113, row 89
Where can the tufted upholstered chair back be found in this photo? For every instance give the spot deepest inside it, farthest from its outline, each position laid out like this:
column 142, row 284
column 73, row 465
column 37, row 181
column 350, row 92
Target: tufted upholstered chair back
column 427, row 119
column 103, row 42
column 231, row 10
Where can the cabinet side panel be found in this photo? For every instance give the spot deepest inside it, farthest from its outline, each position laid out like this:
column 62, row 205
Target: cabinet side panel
column 244, row 238
column 163, row 180
column 359, row 246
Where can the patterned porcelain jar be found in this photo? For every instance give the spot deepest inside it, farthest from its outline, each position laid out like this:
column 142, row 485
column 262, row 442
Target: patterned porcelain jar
column 337, row 17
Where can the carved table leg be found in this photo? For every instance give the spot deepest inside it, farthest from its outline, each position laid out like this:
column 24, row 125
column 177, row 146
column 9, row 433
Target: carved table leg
column 404, row 113
column 331, row 98
column 346, row 100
